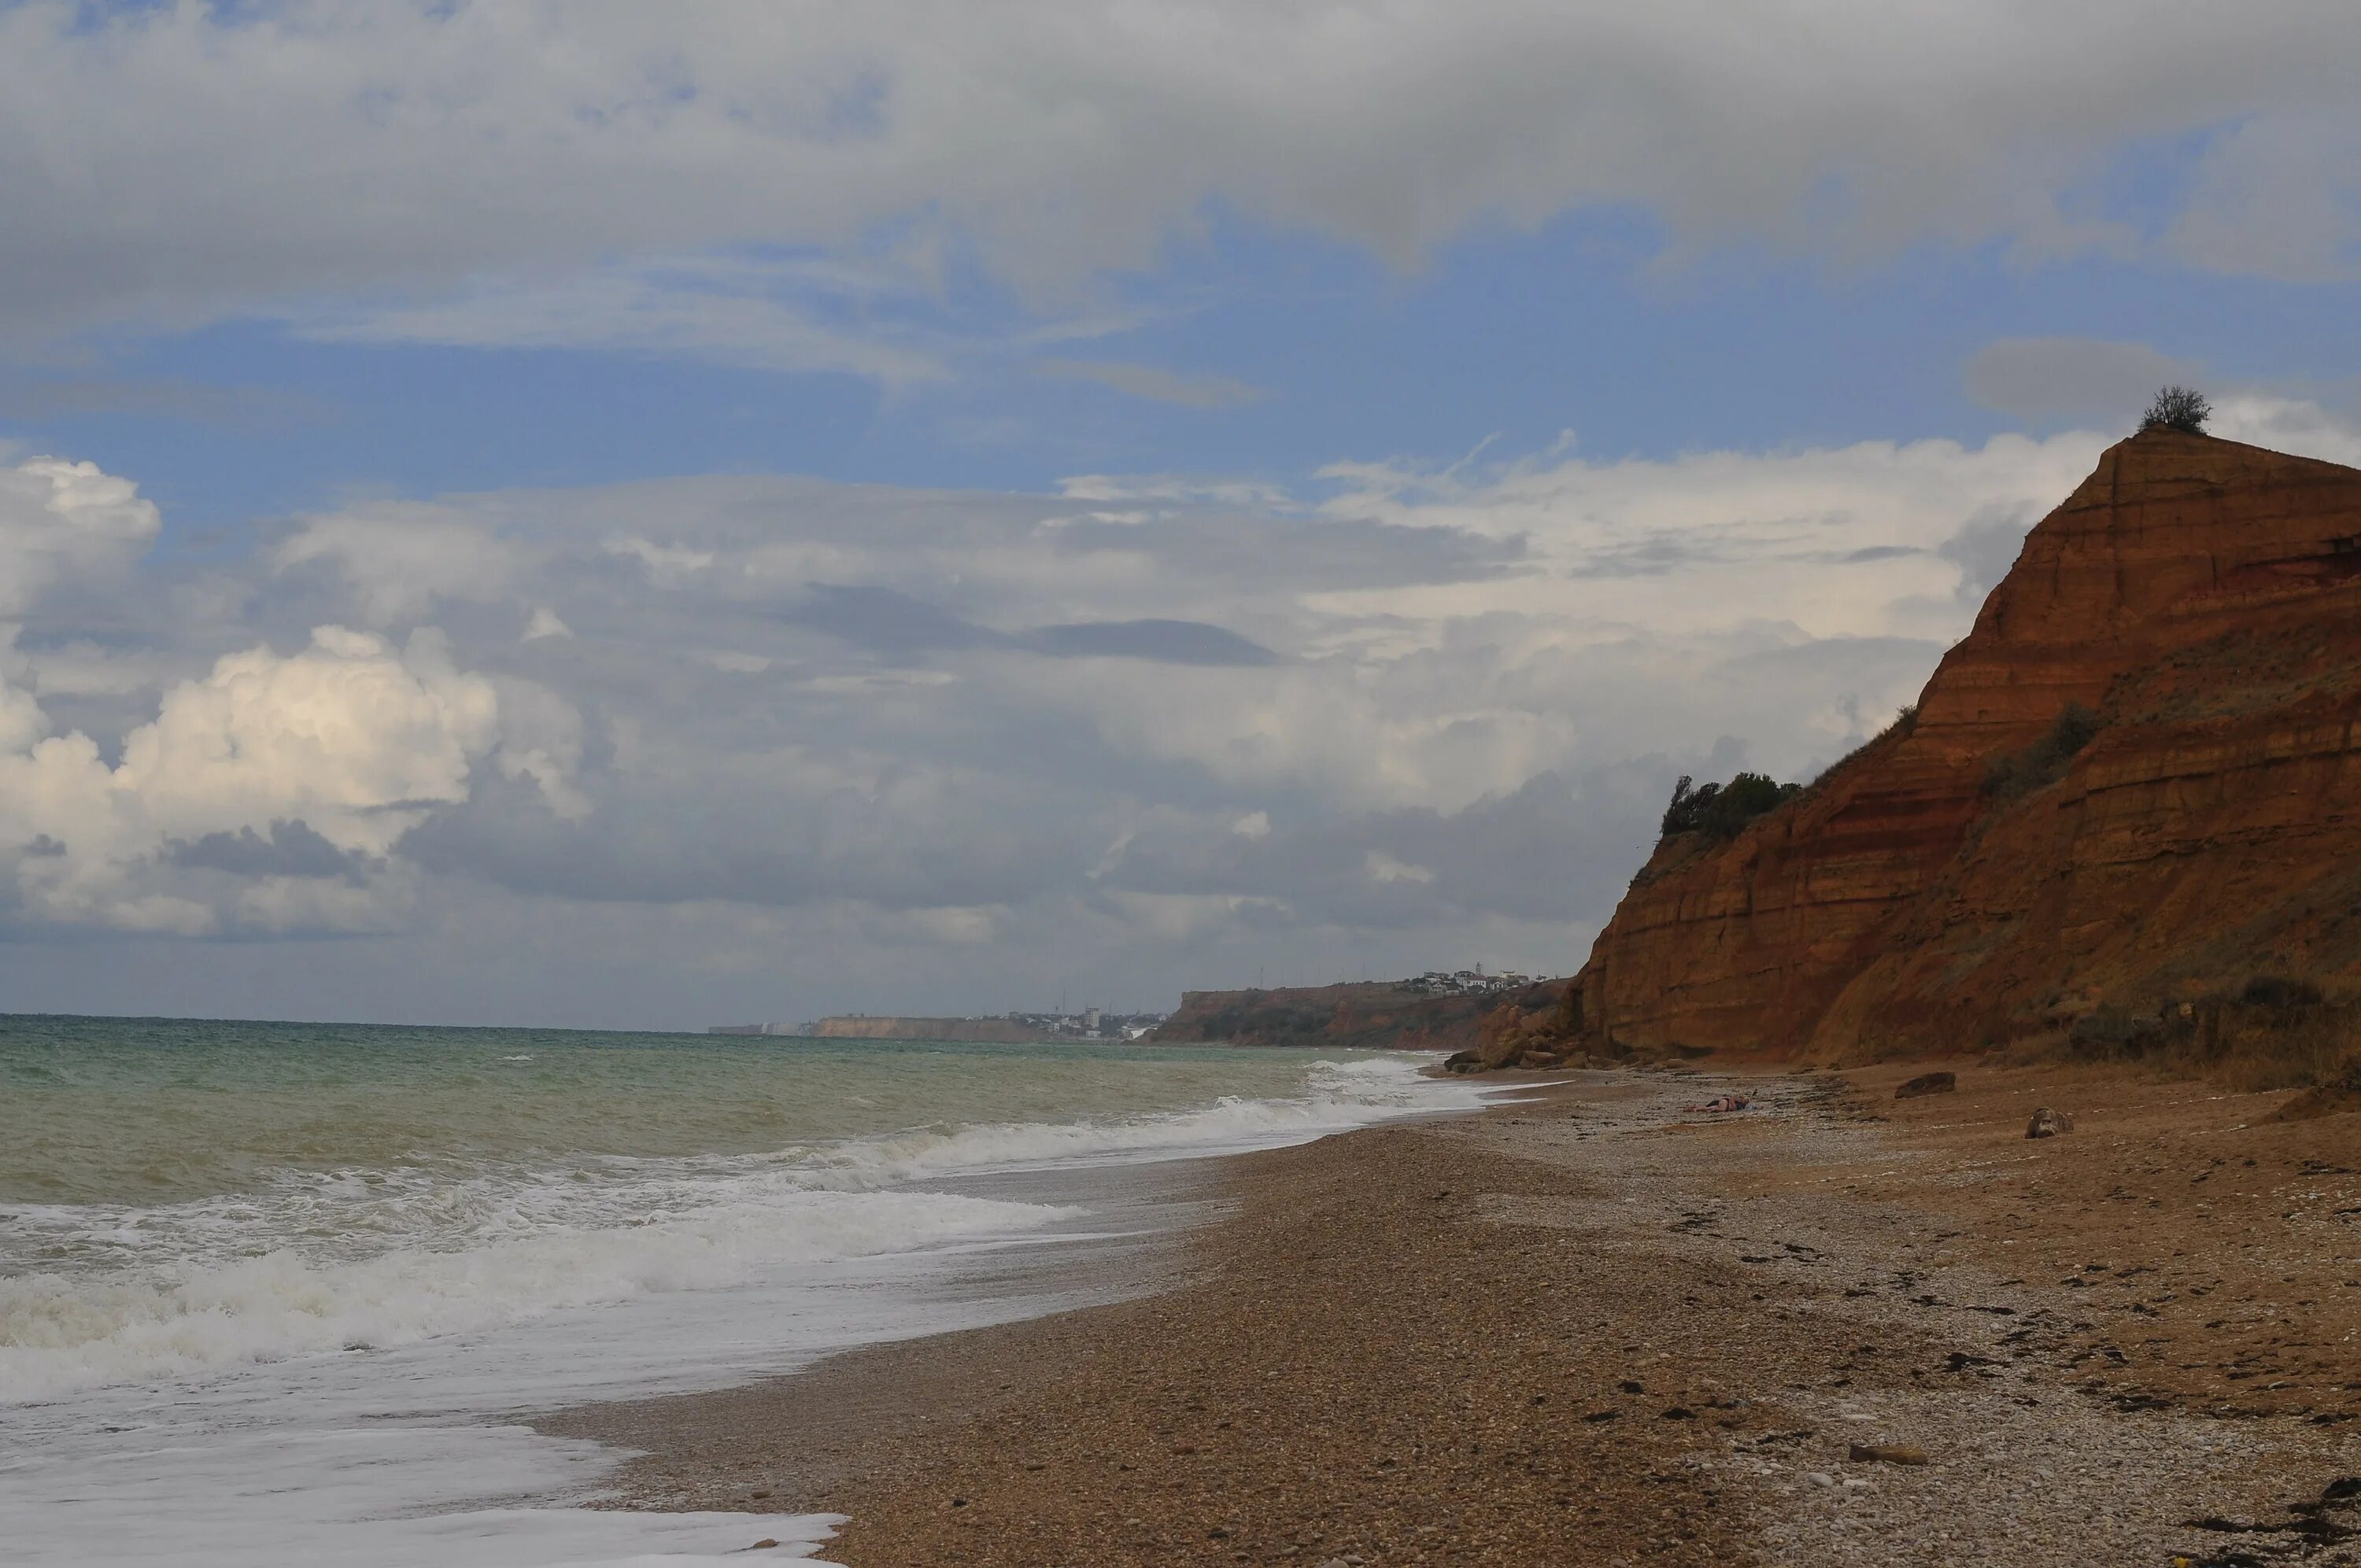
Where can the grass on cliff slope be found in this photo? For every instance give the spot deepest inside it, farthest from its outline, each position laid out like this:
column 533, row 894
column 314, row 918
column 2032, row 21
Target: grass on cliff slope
column 2018, row 774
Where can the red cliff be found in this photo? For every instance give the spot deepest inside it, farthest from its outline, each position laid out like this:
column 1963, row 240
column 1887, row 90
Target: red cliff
column 2203, row 599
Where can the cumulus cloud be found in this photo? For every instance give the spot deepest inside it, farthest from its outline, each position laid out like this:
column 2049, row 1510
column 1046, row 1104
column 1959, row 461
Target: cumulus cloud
column 64, row 521
column 1053, row 142
column 259, row 790
column 259, row 768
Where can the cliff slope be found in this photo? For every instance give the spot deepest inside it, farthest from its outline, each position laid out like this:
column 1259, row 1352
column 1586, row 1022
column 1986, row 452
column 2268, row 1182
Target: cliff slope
column 2203, row 601
column 1361, row 1016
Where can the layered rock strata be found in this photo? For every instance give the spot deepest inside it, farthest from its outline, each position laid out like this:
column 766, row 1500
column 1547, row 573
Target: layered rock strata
column 2203, row 599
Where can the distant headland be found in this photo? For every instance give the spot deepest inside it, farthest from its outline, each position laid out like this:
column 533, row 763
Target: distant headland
column 1007, row 1028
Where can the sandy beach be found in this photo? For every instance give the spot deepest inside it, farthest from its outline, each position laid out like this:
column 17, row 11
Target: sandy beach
column 1592, row 1327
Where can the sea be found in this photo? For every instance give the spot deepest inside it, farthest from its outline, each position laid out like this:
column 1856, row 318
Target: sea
column 284, row 1293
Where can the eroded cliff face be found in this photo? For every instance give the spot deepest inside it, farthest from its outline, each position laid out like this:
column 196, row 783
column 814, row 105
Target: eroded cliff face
column 2204, row 599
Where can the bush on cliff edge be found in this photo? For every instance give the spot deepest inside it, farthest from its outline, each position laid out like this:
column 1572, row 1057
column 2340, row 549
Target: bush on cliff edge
column 1721, row 811
column 2184, row 409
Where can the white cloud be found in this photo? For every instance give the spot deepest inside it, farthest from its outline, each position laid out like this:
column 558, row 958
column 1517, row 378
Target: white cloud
column 1382, row 868
column 2285, row 424
column 526, row 164
column 348, row 731
column 676, row 312
column 1633, row 608
column 352, row 739
column 544, row 623
column 669, row 566
column 398, row 560
column 61, row 521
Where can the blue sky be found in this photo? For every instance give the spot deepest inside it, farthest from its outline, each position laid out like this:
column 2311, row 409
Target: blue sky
column 1303, row 352
column 821, row 507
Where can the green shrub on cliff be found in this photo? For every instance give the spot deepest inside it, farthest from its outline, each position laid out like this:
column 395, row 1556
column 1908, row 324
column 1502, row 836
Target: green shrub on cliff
column 1721, row 811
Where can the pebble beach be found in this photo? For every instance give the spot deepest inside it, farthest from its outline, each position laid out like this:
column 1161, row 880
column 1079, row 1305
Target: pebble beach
column 1592, row 1326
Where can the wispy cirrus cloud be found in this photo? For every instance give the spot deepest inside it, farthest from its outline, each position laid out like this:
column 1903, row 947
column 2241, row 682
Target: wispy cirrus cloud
column 757, row 320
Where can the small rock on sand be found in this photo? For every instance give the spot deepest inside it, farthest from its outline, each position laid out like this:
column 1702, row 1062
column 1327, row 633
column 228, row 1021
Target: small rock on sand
column 1887, row 1454
column 2048, row 1124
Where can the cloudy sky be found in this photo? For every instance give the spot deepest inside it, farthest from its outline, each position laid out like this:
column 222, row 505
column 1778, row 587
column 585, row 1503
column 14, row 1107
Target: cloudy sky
column 645, row 515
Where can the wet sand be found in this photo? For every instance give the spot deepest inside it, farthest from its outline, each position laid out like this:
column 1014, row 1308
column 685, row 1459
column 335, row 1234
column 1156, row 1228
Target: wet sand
column 1595, row 1329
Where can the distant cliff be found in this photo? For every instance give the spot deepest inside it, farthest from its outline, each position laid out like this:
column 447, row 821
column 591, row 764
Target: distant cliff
column 864, row 1028
column 1371, row 1016
column 2135, row 785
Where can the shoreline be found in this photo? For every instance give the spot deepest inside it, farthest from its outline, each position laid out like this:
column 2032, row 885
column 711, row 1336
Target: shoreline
column 1589, row 1324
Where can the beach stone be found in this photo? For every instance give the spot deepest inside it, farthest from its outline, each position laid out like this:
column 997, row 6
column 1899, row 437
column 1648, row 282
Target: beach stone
column 1536, row 1059
column 2048, row 1124
column 1929, row 1083
column 1887, row 1454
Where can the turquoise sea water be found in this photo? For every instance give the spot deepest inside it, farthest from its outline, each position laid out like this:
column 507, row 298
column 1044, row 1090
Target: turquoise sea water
column 154, row 1110
column 181, row 1197
column 273, row 1293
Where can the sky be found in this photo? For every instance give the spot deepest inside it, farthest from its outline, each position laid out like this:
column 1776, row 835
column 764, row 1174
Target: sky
column 601, row 514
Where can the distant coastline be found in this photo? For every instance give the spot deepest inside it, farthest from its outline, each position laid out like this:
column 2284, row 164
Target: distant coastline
column 1435, row 1011
column 1010, row 1028
column 1439, row 1010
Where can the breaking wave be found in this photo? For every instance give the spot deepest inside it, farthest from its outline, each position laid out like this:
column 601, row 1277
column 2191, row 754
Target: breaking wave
column 355, row 1259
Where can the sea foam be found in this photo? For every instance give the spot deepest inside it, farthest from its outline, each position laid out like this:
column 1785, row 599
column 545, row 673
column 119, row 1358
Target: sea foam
column 356, row 1260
